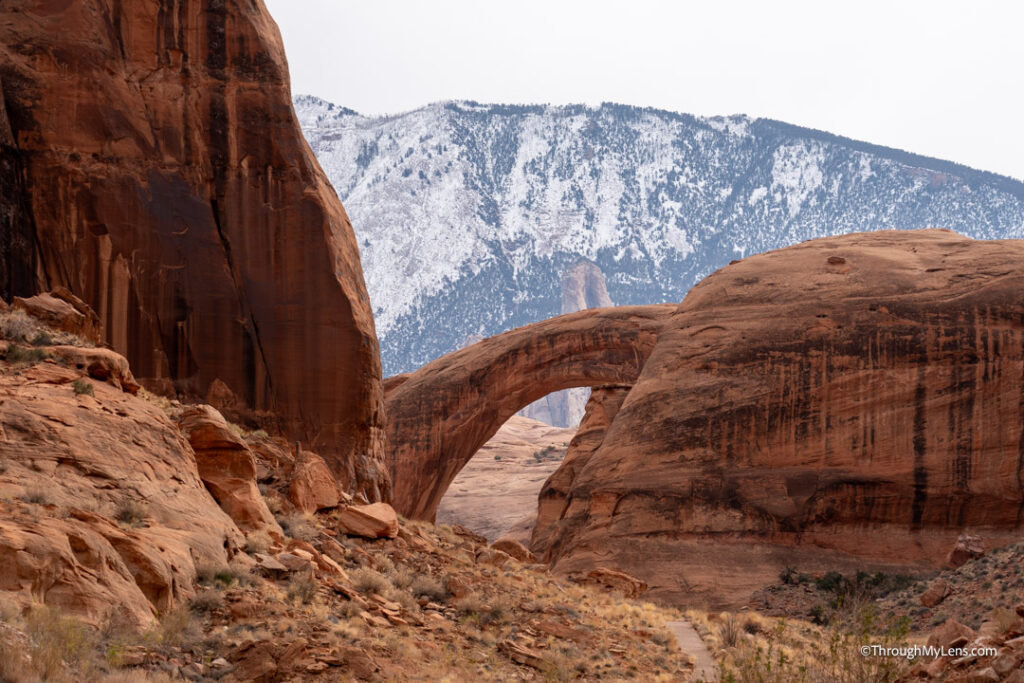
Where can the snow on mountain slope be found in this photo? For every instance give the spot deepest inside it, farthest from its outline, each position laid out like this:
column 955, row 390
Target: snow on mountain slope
column 469, row 215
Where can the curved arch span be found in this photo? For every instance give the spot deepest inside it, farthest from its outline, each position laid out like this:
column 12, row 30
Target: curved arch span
column 440, row 415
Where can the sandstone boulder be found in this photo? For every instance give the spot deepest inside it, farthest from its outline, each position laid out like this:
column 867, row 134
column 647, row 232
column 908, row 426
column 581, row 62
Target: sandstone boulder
column 313, row 486
column 376, row 520
column 227, row 468
column 936, row 593
column 100, row 364
column 613, row 580
column 951, row 633
column 515, row 549
column 62, row 310
column 154, row 167
column 967, row 548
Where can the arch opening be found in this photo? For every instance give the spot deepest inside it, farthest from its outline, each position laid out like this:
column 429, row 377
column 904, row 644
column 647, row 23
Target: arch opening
column 440, row 415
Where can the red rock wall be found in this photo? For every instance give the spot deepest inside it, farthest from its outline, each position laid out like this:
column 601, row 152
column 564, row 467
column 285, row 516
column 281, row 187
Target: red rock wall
column 851, row 402
column 158, row 171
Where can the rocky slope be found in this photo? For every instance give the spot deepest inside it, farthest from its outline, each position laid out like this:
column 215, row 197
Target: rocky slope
column 123, row 557
column 498, row 488
column 469, row 216
column 847, row 403
column 152, row 164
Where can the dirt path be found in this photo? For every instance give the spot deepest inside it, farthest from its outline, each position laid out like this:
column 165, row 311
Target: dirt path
column 704, row 668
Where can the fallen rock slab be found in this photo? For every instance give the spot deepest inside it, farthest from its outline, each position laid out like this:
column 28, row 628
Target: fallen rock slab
column 376, row 520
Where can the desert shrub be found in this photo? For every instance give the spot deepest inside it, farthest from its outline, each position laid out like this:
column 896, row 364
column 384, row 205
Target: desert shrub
column 18, row 326
column 729, row 630
column 82, row 386
column 36, row 496
column 42, row 338
column 56, row 640
column 428, row 587
column 207, row 601
column 402, row 577
column 366, row 580
column 130, row 512
column 178, row 628
column 789, row 576
column 302, row 589
column 298, row 525
column 19, row 355
column 258, row 542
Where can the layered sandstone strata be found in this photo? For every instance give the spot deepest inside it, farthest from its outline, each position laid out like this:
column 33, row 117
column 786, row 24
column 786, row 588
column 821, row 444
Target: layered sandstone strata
column 847, row 402
column 151, row 163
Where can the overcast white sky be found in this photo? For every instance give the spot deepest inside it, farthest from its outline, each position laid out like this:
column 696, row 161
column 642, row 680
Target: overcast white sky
column 938, row 78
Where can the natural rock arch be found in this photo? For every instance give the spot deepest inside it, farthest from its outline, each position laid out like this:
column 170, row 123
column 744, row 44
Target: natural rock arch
column 441, row 414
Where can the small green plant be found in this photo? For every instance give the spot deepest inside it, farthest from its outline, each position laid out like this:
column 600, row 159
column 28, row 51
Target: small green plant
column 42, row 338
column 82, row 387
column 19, row 355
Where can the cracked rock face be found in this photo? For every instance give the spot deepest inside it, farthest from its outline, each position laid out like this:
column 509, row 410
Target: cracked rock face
column 152, row 165
column 846, row 403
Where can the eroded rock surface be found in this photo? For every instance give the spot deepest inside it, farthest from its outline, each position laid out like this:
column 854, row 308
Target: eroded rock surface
column 103, row 508
column 153, row 165
column 228, row 468
column 851, row 402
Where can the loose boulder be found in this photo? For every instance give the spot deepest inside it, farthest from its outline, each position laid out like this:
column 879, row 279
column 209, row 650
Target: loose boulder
column 376, row 520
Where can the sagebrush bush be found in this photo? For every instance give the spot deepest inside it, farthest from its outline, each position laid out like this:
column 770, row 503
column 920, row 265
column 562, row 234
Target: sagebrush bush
column 302, row 589
column 366, row 580
column 82, row 386
column 130, row 512
column 428, row 587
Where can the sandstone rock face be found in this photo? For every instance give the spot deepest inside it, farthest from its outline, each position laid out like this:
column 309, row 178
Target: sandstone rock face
column 554, row 496
column 227, row 468
column 851, row 402
column 153, row 165
column 72, row 463
column 441, row 414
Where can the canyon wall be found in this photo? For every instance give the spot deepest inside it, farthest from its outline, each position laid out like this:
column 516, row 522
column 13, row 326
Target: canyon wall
column 847, row 403
column 152, row 164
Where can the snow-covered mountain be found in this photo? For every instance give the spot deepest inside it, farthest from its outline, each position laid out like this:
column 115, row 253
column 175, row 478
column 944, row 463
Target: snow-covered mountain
column 469, row 216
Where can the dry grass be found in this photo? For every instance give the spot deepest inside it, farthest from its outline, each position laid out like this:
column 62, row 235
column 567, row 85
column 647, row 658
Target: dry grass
column 298, row 525
column 366, row 580
column 131, row 513
column 302, row 589
column 428, row 587
column 258, row 542
column 207, row 601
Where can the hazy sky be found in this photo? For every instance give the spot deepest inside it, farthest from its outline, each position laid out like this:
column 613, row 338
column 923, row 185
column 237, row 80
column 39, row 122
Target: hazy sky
column 940, row 78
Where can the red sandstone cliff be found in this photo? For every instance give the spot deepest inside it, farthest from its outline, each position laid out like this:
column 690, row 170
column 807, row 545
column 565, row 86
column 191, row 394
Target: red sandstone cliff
column 849, row 402
column 152, row 164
